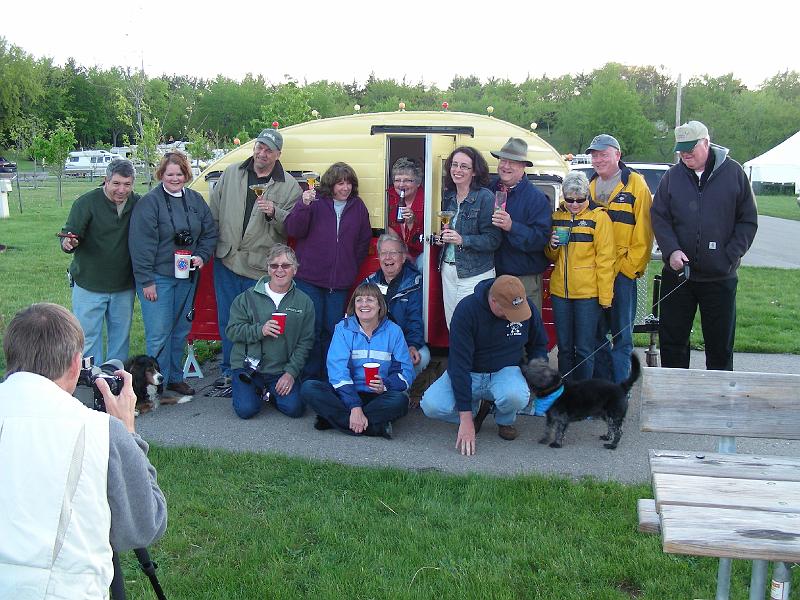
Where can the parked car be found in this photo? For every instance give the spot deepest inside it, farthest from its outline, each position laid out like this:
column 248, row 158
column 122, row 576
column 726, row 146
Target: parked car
column 6, row 166
column 652, row 173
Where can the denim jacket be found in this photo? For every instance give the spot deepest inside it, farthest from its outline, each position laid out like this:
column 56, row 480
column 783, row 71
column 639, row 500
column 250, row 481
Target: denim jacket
column 475, row 255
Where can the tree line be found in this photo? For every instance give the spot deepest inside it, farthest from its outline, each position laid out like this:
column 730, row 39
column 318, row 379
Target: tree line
column 118, row 106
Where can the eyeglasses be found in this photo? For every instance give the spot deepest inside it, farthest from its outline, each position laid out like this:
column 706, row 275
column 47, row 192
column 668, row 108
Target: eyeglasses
column 284, row 266
column 574, row 200
column 462, row 166
column 404, row 181
column 389, row 253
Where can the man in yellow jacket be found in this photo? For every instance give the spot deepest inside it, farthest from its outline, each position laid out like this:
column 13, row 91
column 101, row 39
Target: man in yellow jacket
column 625, row 194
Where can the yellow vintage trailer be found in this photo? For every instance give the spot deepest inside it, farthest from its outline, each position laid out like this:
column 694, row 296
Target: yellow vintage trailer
column 371, row 143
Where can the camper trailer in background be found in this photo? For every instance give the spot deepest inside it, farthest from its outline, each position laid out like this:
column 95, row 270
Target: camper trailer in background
column 90, row 163
column 371, row 143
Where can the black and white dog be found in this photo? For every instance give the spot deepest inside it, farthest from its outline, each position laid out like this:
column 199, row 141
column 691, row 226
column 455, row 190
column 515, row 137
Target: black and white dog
column 147, row 378
column 596, row 398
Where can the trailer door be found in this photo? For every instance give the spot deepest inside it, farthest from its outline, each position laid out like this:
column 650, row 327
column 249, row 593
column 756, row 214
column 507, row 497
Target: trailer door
column 437, row 148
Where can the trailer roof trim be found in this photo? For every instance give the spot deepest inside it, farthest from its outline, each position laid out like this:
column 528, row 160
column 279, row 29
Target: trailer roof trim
column 423, row 129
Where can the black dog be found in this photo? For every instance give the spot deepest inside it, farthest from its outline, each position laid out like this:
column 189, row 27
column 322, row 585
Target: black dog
column 147, row 378
column 595, row 398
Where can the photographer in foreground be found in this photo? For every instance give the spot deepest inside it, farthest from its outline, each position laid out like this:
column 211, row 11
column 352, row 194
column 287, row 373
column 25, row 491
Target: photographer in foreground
column 75, row 483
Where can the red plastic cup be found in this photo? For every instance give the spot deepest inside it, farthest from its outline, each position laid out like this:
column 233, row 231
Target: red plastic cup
column 281, row 319
column 370, row 371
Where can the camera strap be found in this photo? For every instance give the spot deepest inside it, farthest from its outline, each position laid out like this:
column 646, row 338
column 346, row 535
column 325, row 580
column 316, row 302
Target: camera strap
column 167, row 199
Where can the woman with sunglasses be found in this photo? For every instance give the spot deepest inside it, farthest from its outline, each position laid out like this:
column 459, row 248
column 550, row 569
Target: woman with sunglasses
column 332, row 232
column 171, row 227
column 582, row 282
column 469, row 239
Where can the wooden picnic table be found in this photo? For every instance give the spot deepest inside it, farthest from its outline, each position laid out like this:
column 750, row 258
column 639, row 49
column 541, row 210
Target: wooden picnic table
column 728, row 505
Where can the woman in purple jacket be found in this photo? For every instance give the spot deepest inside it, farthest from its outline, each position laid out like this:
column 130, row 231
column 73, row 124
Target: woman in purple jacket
column 332, row 235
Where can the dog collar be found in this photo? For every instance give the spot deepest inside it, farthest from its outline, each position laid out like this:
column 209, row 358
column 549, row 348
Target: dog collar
column 543, row 403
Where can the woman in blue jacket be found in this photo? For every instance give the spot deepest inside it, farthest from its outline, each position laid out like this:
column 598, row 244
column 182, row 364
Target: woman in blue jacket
column 347, row 401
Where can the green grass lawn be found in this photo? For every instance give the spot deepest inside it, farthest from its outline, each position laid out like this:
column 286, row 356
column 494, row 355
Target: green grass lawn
column 251, row 526
column 767, row 303
column 783, row 207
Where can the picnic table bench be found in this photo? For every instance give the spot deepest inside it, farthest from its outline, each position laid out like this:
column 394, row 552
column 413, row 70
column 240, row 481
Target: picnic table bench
column 724, row 504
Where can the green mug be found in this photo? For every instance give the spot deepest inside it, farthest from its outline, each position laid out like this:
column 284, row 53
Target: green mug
column 563, row 235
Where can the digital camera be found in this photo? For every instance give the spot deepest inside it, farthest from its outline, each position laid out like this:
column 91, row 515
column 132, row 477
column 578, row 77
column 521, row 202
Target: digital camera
column 184, row 237
column 90, row 374
column 250, row 367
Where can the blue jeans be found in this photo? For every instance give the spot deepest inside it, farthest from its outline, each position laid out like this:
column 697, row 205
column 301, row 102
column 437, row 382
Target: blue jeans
column 115, row 309
column 379, row 409
column 507, row 388
column 227, row 285
column 165, row 324
column 613, row 359
column 329, row 307
column 576, row 330
column 247, row 401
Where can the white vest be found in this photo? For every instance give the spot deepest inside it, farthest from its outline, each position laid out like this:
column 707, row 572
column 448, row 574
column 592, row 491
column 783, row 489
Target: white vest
column 54, row 515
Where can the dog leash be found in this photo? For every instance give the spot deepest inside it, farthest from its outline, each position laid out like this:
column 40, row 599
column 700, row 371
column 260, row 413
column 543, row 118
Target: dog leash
column 613, row 335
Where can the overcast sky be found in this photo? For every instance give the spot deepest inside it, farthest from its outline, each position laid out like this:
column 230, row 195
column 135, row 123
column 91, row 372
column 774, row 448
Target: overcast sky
column 428, row 41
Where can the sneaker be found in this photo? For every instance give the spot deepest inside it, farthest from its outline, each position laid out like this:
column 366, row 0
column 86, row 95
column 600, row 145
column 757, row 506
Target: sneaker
column 182, row 388
column 222, row 381
column 387, row 430
column 484, row 410
column 507, row 432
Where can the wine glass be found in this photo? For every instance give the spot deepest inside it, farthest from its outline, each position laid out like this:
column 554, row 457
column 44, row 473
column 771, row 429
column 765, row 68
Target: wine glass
column 258, row 188
column 311, row 178
column 445, row 216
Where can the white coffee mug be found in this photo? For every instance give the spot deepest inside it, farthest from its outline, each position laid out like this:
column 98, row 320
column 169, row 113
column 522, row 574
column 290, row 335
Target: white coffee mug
column 183, row 264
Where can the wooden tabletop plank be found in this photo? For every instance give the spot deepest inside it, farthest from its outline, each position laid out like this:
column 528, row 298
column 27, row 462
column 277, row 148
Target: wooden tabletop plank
column 726, row 492
column 737, row 403
column 731, row 533
column 739, row 466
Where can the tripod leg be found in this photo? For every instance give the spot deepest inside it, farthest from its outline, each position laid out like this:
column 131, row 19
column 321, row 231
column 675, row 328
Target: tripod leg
column 118, row 582
column 149, row 569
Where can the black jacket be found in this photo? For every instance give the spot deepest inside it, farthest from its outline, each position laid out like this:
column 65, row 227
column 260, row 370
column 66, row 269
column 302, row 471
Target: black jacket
column 713, row 220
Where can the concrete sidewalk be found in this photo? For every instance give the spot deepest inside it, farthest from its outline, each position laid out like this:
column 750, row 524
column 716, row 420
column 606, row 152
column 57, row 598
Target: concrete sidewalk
column 423, row 444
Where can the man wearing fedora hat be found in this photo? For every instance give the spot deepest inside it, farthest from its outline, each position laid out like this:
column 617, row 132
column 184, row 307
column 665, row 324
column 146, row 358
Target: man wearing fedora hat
column 249, row 226
column 490, row 329
column 525, row 220
column 704, row 216
column 625, row 194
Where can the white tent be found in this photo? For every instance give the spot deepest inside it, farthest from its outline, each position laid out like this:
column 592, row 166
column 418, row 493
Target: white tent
column 781, row 164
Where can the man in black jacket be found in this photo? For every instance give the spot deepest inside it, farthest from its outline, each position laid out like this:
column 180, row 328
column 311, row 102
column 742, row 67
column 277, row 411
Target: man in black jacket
column 704, row 216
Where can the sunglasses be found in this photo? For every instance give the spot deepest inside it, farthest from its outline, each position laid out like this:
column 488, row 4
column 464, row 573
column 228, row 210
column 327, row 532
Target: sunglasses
column 574, row 200
column 284, row 266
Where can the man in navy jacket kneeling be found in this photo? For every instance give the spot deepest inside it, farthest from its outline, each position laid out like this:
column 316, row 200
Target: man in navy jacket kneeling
column 488, row 333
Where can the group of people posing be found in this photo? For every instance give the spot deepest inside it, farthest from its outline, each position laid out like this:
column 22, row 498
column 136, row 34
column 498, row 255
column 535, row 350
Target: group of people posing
column 293, row 334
